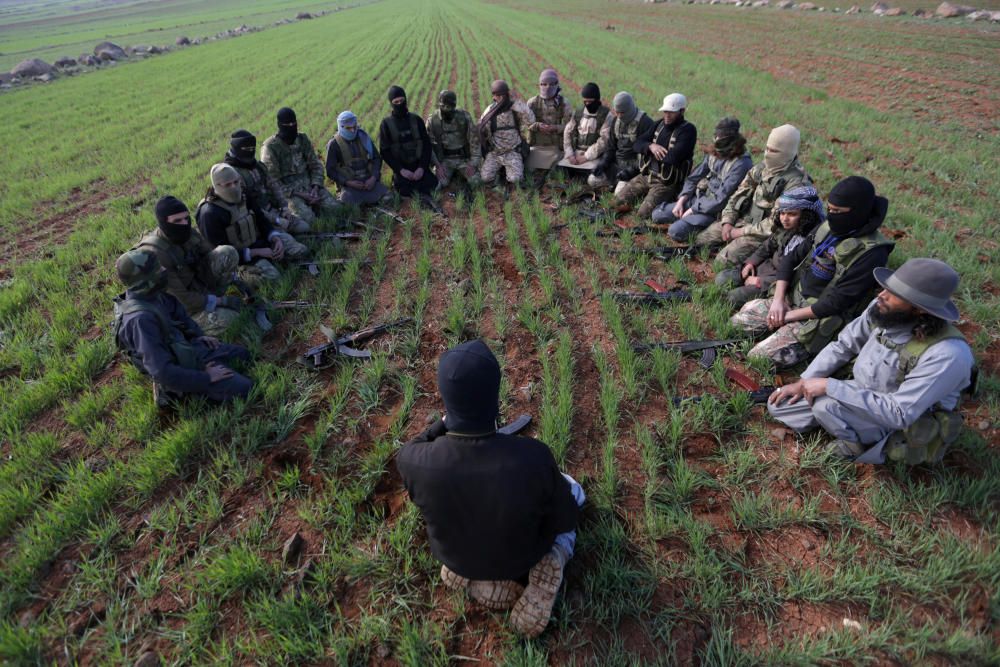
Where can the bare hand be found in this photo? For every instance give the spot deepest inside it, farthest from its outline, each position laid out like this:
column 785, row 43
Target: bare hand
column 753, row 281
column 470, row 171
column 687, row 212
column 263, row 253
column 217, row 372
column 574, row 159
column 418, row 174
column 658, row 151
column 678, row 208
column 776, row 314
column 407, row 174
column 277, row 248
column 736, row 233
column 727, row 231
column 790, row 392
column 370, row 183
column 439, row 172
column 211, row 342
column 314, row 193
column 356, row 185
column 748, row 270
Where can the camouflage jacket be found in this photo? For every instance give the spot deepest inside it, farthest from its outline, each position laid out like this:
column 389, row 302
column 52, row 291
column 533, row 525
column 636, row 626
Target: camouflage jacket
column 585, row 124
column 506, row 138
column 556, row 111
column 457, row 139
column 294, row 167
column 751, row 203
column 186, row 264
column 262, row 188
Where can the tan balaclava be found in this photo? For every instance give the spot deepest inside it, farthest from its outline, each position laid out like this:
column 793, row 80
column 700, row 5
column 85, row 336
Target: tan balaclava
column 224, row 173
column 784, row 141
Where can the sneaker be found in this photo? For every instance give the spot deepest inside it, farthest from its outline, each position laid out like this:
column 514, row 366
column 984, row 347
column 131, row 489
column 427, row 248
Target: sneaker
column 532, row 611
column 162, row 397
column 453, row 581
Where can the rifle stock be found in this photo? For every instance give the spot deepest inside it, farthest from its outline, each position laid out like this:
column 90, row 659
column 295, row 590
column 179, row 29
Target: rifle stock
column 684, row 345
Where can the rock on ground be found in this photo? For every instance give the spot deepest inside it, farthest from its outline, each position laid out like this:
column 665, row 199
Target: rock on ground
column 947, row 10
column 110, row 51
column 182, row 41
column 32, row 67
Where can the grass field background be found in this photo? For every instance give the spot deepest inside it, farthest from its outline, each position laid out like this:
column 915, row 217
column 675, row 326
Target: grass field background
column 708, row 536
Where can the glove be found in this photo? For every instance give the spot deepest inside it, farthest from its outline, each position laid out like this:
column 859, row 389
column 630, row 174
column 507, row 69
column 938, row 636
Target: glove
column 625, row 174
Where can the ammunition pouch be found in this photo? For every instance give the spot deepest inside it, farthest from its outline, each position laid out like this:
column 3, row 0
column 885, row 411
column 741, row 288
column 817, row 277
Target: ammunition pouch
column 927, row 439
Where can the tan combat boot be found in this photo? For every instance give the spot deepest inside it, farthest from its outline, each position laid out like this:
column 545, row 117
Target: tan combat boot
column 532, row 611
column 494, row 595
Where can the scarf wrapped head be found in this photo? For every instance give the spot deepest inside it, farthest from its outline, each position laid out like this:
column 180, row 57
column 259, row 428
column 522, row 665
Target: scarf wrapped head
column 348, row 118
column 801, row 198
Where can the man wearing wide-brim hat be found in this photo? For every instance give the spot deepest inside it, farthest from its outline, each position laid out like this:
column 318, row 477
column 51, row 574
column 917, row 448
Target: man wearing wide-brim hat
column 911, row 367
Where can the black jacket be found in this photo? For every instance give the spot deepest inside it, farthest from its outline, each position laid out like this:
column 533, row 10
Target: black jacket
column 493, row 505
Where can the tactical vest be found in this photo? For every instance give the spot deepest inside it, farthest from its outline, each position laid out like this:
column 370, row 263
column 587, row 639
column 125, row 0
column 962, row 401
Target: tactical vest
column 704, row 185
column 407, row 146
column 538, row 108
column 816, row 333
column 582, row 142
column 927, row 439
column 241, row 232
column 354, row 158
column 669, row 173
column 451, row 141
column 184, row 353
column 177, row 254
column 625, row 136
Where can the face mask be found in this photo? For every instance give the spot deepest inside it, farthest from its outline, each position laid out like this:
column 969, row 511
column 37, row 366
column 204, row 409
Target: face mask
column 400, row 110
column 175, row 232
column 447, row 113
column 844, row 224
column 288, row 132
column 350, row 135
column 231, row 194
column 245, row 154
column 725, row 144
column 592, row 107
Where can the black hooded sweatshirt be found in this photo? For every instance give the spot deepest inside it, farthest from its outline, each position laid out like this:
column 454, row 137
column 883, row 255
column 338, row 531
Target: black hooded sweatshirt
column 857, row 282
column 493, row 503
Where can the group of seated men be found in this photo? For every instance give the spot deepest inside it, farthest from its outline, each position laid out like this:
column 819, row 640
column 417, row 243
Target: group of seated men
column 885, row 377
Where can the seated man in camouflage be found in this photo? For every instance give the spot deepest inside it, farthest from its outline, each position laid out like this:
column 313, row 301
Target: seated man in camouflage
column 552, row 112
column 620, row 161
column 665, row 158
column 353, row 163
column 260, row 186
column 164, row 343
column 708, row 187
column 499, row 513
column 406, row 148
column 292, row 162
column 455, row 142
column 503, row 137
column 586, row 135
column 910, row 367
column 225, row 217
column 823, row 283
column 745, row 221
column 197, row 273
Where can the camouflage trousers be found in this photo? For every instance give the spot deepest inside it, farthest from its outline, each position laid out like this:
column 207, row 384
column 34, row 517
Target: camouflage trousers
column 264, row 270
column 222, row 265
column 217, row 321
column 452, row 167
column 510, row 161
column 782, row 347
column 291, row 223
column 327, row 205
column 653, row 191
column 736, row 251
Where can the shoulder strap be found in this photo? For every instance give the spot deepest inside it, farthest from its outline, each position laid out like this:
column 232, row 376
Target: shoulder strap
column 913, row 349
column 435, row 126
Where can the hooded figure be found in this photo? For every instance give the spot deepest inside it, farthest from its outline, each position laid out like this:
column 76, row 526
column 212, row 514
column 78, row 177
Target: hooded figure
column 243, row 148
column 353, row 163
column 585, row 136
column 496, row 507
column 177, row 232
column 620, row 161
column 406, row 148
column 258, row 184
column 226, row 183
column 782, row 149
column 288, row 125
column 552, row 113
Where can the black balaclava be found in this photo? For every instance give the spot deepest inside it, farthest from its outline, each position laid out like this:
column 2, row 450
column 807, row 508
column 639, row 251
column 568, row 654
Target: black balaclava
column 447, row 101
column 856, row 193
column 166, row 207
column 398, row 110
column 242, row 147
column 288, row 126
column 469, row 383
column 591, row 91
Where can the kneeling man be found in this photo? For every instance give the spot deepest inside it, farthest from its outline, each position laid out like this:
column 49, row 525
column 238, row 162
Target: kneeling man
column 499, row 513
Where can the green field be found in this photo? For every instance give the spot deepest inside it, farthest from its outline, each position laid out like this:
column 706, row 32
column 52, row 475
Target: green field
column 708, row 538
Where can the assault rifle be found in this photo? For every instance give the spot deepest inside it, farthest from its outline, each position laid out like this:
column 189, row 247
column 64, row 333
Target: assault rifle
column 322, row 356
column 706, row 347
column 294, row 305
column 327, row 236
column 758, row 394
column 659, row 295
column 312, row 265
column 366, row 225
column 389, row 214
column 516, row 426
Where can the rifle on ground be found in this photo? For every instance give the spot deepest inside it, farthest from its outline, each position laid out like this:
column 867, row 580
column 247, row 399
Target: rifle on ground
column 669, row 252
column 327, row 236
column 294, row 305
column 758, row 394
column 659, row 295
column 369, row 226
column 389, row 214
column 312, row 265
column 322, row 356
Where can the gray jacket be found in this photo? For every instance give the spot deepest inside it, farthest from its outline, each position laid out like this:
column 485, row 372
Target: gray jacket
column 938, row 379
column 712, row 183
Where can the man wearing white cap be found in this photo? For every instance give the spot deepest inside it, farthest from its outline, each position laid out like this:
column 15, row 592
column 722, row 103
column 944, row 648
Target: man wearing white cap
column 746, row 220
column 665, row 158
column 911, row 367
